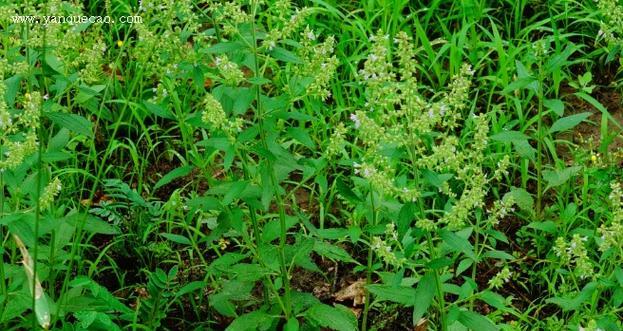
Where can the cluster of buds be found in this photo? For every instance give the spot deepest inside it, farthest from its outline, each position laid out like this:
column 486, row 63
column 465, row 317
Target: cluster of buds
column 215, row 116
column 383, row 247
column 612, row 234
column 574, row 254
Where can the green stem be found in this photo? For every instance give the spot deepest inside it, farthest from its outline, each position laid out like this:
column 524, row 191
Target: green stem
column 273, row 181
column 366, row 308
column 539, row 165
column 438, row 285
column 3, row 289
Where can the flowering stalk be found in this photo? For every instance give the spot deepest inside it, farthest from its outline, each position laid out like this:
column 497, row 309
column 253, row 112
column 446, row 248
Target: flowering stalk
column 273, row 181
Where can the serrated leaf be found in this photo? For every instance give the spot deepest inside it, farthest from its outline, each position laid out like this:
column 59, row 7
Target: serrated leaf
column 332, row 252
column 399, row 294
column 302, row 136
column 545, row 226
column 256, row 320
column 574, row 302
column 158, row 110
column 424, row 294
column 225, row 47
column 475, row 321
column 54, row 62
column 568, row 122
column 558, row 177
column 72, row 122
column 521, row 83
column 272, row 229
column 509, row 136
column 337, row 318
column 493, row 299
column 284, row 55
column 100, row 292
column 457, row 243
column 346, row 192
column 522, row 198
column 92, row 224
column 555, row 105
column 524, row 149
column 332, row 233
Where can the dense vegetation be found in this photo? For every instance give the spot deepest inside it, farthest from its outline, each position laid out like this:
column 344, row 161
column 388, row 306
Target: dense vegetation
column 306, row 165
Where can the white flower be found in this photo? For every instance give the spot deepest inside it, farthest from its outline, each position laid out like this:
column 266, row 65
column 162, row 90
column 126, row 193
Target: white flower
column 355, row 119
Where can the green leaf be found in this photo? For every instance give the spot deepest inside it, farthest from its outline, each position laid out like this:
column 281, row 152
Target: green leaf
column 272, row 229
column 424, row 294
column 332, row 252
column 558, row 60
column 457, row 243
column 59, row 141
column 12, row 85
column 285, row 55
column 522, row 198
column 495, row 254
column 509, row 136
column 176, row 238
column 302, row 136
column 234, row 191
column 100, row 292
column 558, row 177
column 599, row 107
column 73, row 122
column 225, row 261
column 158, row 110
column 54, row 62
column 555, row 105
column 476, row 322
column 545, row 226
column 222, row 305
column 225, row 47
column 568, row 122
column 524, row 149
column 573, row 303
column 337, row 318
column 332, row 233
column 87, row 93
column 190, row 288
column 495, row 300
column 173, row 174
column 292, row 325
column 345, row 191
column 92, row 224
column 521, row 83
column 256, row 320
column 403, row 295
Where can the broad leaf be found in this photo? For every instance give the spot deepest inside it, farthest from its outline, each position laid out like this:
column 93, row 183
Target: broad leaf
column 337, row 318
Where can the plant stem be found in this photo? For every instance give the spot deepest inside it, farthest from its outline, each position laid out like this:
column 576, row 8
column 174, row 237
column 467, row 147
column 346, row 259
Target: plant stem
column 3, row 288
column 539, row 164
column 364, row 322
column 273, row 180
column 442, row 301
